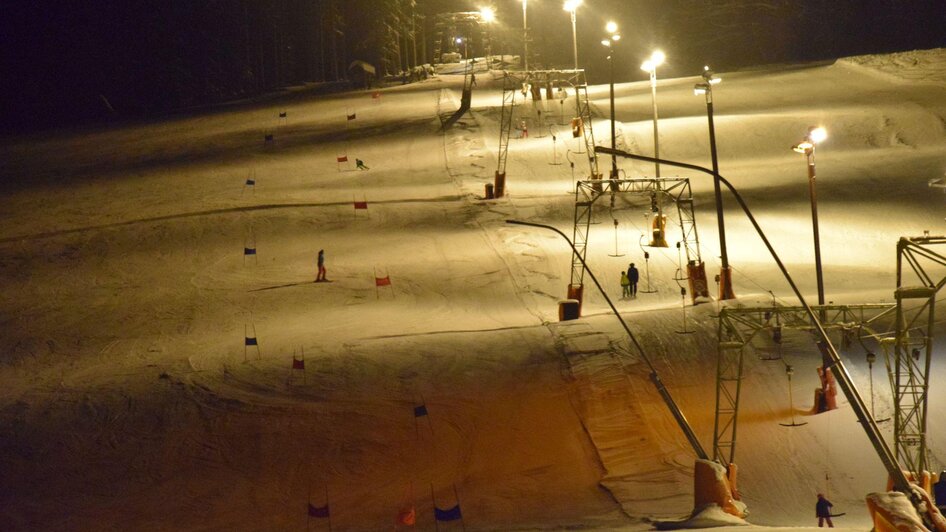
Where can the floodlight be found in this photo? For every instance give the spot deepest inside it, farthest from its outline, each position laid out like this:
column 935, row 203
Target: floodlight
column 571, row 5
column 488, row 14
column 611, row 27
column 817, row 134
column 700, row 89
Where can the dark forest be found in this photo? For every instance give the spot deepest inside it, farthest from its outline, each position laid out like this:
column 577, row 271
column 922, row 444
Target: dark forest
column 73, row 62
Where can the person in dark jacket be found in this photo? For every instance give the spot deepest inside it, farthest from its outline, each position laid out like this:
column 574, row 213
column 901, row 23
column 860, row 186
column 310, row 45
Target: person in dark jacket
column 633, row 275
column 823, row 511
column 320, row 277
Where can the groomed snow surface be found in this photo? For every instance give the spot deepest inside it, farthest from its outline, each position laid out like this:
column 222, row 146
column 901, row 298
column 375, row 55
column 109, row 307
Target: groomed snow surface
column 129, row 399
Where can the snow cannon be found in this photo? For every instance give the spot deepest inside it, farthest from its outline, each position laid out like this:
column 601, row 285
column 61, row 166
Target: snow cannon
column 712, row 485
column 894, row 512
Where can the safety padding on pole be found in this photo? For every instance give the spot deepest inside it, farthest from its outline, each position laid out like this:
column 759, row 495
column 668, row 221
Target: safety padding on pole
column 926, row 480
column 576, row 291
column 499, row 187
column 829, row 388
column 711, row 487
column 725, row 284
column 568, row 309
column 659, row 230
column 696, row 275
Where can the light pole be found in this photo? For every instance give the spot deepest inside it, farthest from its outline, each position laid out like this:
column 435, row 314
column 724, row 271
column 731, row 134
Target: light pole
column 650, row 65
column 525, row 36
column 612, row 29
column 488, row 16
column 571, row 6
column 807, row 146
column 725, row 273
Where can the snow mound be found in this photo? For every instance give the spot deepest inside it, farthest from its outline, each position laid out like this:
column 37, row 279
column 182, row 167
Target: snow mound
column 709, row 516
column 895, row 507
column 912, row 66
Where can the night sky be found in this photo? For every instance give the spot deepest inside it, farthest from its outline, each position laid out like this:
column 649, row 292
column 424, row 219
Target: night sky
column 76, row 62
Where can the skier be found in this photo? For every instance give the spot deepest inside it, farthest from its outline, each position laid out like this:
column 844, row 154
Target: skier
column 625, row 285
column 360, row 164
column 472, row 80
column 523, row 130
column 823, row 511
column 320, row 278
column 633, row 276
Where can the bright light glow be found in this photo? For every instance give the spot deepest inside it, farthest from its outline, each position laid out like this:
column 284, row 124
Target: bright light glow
column 715, row 80
column 615, row 37
column 488, row 14
column 803, row 146
column 606, row 42
column 656, row 59
column 459, row 40
column 611, row 27
column 571, row 5
column 817, row 135
column 700, row 88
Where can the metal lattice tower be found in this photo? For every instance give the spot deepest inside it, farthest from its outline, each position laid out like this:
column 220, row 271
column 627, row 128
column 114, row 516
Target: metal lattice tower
column 913, row 345
column 514, row 81
column 738, row 327
column 587, row 193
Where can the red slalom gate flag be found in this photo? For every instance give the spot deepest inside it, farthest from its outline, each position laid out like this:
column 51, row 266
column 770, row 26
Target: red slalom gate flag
column 361, row 205
column 407, row 516
column 342, row 158
column 298, row 364
column 382, row 281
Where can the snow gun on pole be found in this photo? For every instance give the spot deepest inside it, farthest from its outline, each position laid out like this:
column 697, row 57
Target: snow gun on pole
column 899, row 478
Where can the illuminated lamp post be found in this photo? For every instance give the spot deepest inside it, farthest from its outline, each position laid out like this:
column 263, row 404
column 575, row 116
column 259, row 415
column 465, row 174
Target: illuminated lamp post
column 725, row 274
column 488, row 16
column 650, row 66
column 525, row 37
column 612, row 29
column 571, row 6
column 807, row 146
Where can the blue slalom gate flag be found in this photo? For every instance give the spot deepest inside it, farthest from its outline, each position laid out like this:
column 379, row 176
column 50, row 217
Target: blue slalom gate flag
column 448, row 515
column 250, row 181
column 249, row 251
column 420, row 410
column 250, row 341
column 318, row 511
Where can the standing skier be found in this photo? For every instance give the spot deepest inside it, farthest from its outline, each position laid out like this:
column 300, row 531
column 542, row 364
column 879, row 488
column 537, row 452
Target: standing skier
column 321, row 275
column 625, row 285
column 633, row 276
column 360, row 164
column 823, row 511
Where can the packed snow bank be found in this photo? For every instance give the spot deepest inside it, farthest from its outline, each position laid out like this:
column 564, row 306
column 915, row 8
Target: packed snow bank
column 711, row 516
column 892, row 511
